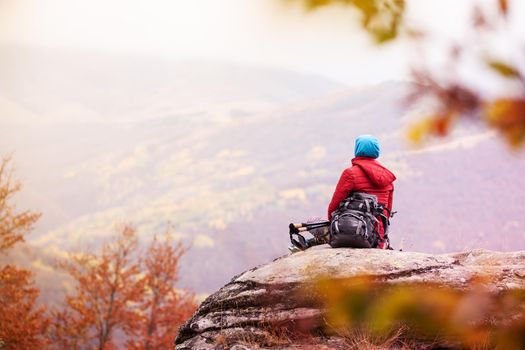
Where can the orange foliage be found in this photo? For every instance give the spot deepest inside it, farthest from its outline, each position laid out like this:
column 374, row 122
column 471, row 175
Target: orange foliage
column 13, row 225
column 164, row 307
column 508, row 117
column 115, row 292
column 109, row 287
column 21, row 324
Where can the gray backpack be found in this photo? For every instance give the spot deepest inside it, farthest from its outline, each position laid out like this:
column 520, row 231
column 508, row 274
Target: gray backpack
column 354, row 222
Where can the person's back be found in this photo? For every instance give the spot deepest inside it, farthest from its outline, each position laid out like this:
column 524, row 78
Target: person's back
column 366, row 175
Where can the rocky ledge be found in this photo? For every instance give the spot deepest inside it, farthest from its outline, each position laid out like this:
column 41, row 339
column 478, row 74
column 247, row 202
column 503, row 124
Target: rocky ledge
column 245, row 313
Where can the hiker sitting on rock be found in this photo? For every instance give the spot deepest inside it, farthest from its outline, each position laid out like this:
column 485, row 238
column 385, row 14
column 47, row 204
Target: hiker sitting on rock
column 360, row 208
column 366, row 176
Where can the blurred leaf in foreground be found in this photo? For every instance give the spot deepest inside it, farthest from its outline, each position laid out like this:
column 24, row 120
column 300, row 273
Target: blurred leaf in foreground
column 508, row 117
column 504, row 69
column 456, row 98
column 381, row 18
column 466, row 317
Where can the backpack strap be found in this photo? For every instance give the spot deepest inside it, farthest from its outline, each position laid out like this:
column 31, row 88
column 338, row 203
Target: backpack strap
column 367, row 206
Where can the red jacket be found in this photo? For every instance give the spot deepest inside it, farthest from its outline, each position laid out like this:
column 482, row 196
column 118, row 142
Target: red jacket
column 365, row 175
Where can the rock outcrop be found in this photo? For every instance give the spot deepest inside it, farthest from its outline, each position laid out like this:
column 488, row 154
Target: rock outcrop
column 239, row 314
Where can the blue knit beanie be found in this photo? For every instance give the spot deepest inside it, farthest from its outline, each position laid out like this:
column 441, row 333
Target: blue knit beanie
column 367, row 146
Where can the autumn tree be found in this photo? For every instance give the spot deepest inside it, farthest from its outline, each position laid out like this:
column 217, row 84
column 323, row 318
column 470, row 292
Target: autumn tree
column 22, row 324
column 117, row 292
column 457, row 98
column 108, row 288
column 13, row 224
column 164, row 307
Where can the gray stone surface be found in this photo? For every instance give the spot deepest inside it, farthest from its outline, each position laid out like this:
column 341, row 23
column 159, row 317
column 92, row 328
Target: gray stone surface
column 238, row 315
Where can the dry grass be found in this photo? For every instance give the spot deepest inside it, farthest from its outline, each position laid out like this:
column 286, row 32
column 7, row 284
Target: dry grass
column 264, row 336
column 399, row 339
column 363, row 339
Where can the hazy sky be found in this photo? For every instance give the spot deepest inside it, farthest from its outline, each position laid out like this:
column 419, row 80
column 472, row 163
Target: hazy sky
column 328, row 42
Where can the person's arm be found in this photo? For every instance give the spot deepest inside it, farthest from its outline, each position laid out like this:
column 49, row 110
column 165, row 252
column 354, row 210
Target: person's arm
column 342, row 190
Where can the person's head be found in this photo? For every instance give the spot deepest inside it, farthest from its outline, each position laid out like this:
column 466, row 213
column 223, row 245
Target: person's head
column 367, row 146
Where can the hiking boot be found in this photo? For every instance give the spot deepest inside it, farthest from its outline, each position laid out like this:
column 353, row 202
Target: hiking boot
column 293, row 249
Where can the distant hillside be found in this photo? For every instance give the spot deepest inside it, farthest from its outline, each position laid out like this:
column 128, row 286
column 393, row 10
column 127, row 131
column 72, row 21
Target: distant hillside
column 232, row 185
column 58, row 85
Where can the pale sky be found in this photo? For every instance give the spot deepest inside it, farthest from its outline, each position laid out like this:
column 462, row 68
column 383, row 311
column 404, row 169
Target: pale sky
column 327, row 42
